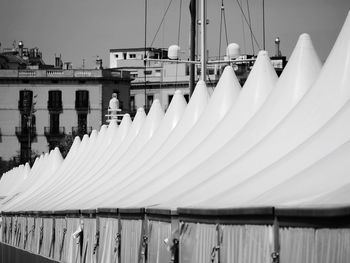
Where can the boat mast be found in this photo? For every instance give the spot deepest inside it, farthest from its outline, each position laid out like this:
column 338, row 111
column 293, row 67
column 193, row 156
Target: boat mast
column 192, row 44
column 203, row 40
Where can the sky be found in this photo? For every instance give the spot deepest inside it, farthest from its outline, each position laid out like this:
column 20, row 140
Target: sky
column 86, row 29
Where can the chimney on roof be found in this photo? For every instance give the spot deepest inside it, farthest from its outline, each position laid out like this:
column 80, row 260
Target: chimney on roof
column 58, row 62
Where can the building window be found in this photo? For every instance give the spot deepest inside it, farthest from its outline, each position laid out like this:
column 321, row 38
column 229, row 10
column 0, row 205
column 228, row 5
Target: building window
column 132, row 103
column 82, row 100
column 54, row 122
column 211, row 71
column 55, row 100
column 148, row 72
column 116, row 55
column 132, row 55
column 124, row 55
column 25, row 100
column 82, row 123
column 149, row 101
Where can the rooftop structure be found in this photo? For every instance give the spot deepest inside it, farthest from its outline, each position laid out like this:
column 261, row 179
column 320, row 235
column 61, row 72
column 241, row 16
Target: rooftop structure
column 158, row 80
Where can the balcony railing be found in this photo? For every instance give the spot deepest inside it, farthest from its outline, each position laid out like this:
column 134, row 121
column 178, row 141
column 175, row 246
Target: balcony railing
column 54, row 131
column 81, row 130
column 27, row 73
column 62, row 73
column 25, row 130
column 23, row 133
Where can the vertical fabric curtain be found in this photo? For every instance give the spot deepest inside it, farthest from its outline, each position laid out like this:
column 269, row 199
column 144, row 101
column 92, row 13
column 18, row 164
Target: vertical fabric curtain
column 197, row 242
column 66, row 248
column 89, row 241
column 23, row 227
column 332, row 245
column 72, row 244
column 30, row 244
column 47, row 245
column 109, row 242
column 1, row 228
column 320, row 245
column 297, row 245
column 130, row 240
column 246, row 243
column 158, row 250
column 60, row 237
column 6, row 228
column 14, row 230
column 36, row 238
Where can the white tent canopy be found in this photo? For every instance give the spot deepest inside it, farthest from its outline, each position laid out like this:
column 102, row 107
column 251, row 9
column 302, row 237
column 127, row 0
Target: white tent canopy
column 274, row 142
column 245, row 174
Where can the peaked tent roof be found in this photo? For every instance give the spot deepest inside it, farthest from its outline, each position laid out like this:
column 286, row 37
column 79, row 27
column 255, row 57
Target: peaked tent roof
column 257, row 148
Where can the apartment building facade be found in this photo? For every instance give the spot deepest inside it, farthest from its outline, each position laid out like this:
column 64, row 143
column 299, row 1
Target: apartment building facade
column 38, row 108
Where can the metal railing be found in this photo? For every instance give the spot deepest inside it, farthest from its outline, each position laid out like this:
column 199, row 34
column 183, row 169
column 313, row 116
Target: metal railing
column 81, row 130
column 22, row 131
column 54, row 131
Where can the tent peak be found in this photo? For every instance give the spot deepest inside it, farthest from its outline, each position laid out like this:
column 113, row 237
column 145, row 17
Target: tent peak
column 263, row 53
column 178, row 92
column 304, row 41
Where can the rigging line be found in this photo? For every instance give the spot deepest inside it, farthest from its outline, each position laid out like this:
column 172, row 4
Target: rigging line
column 225, row 28
column 178, row 41
column 179, row 27
column 161, row 22
column 246, row 20
column 250, row 25
column 221, row 8
column 243, row 32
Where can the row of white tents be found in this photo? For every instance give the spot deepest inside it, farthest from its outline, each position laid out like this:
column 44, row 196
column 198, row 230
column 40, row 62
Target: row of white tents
column 245, row 175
